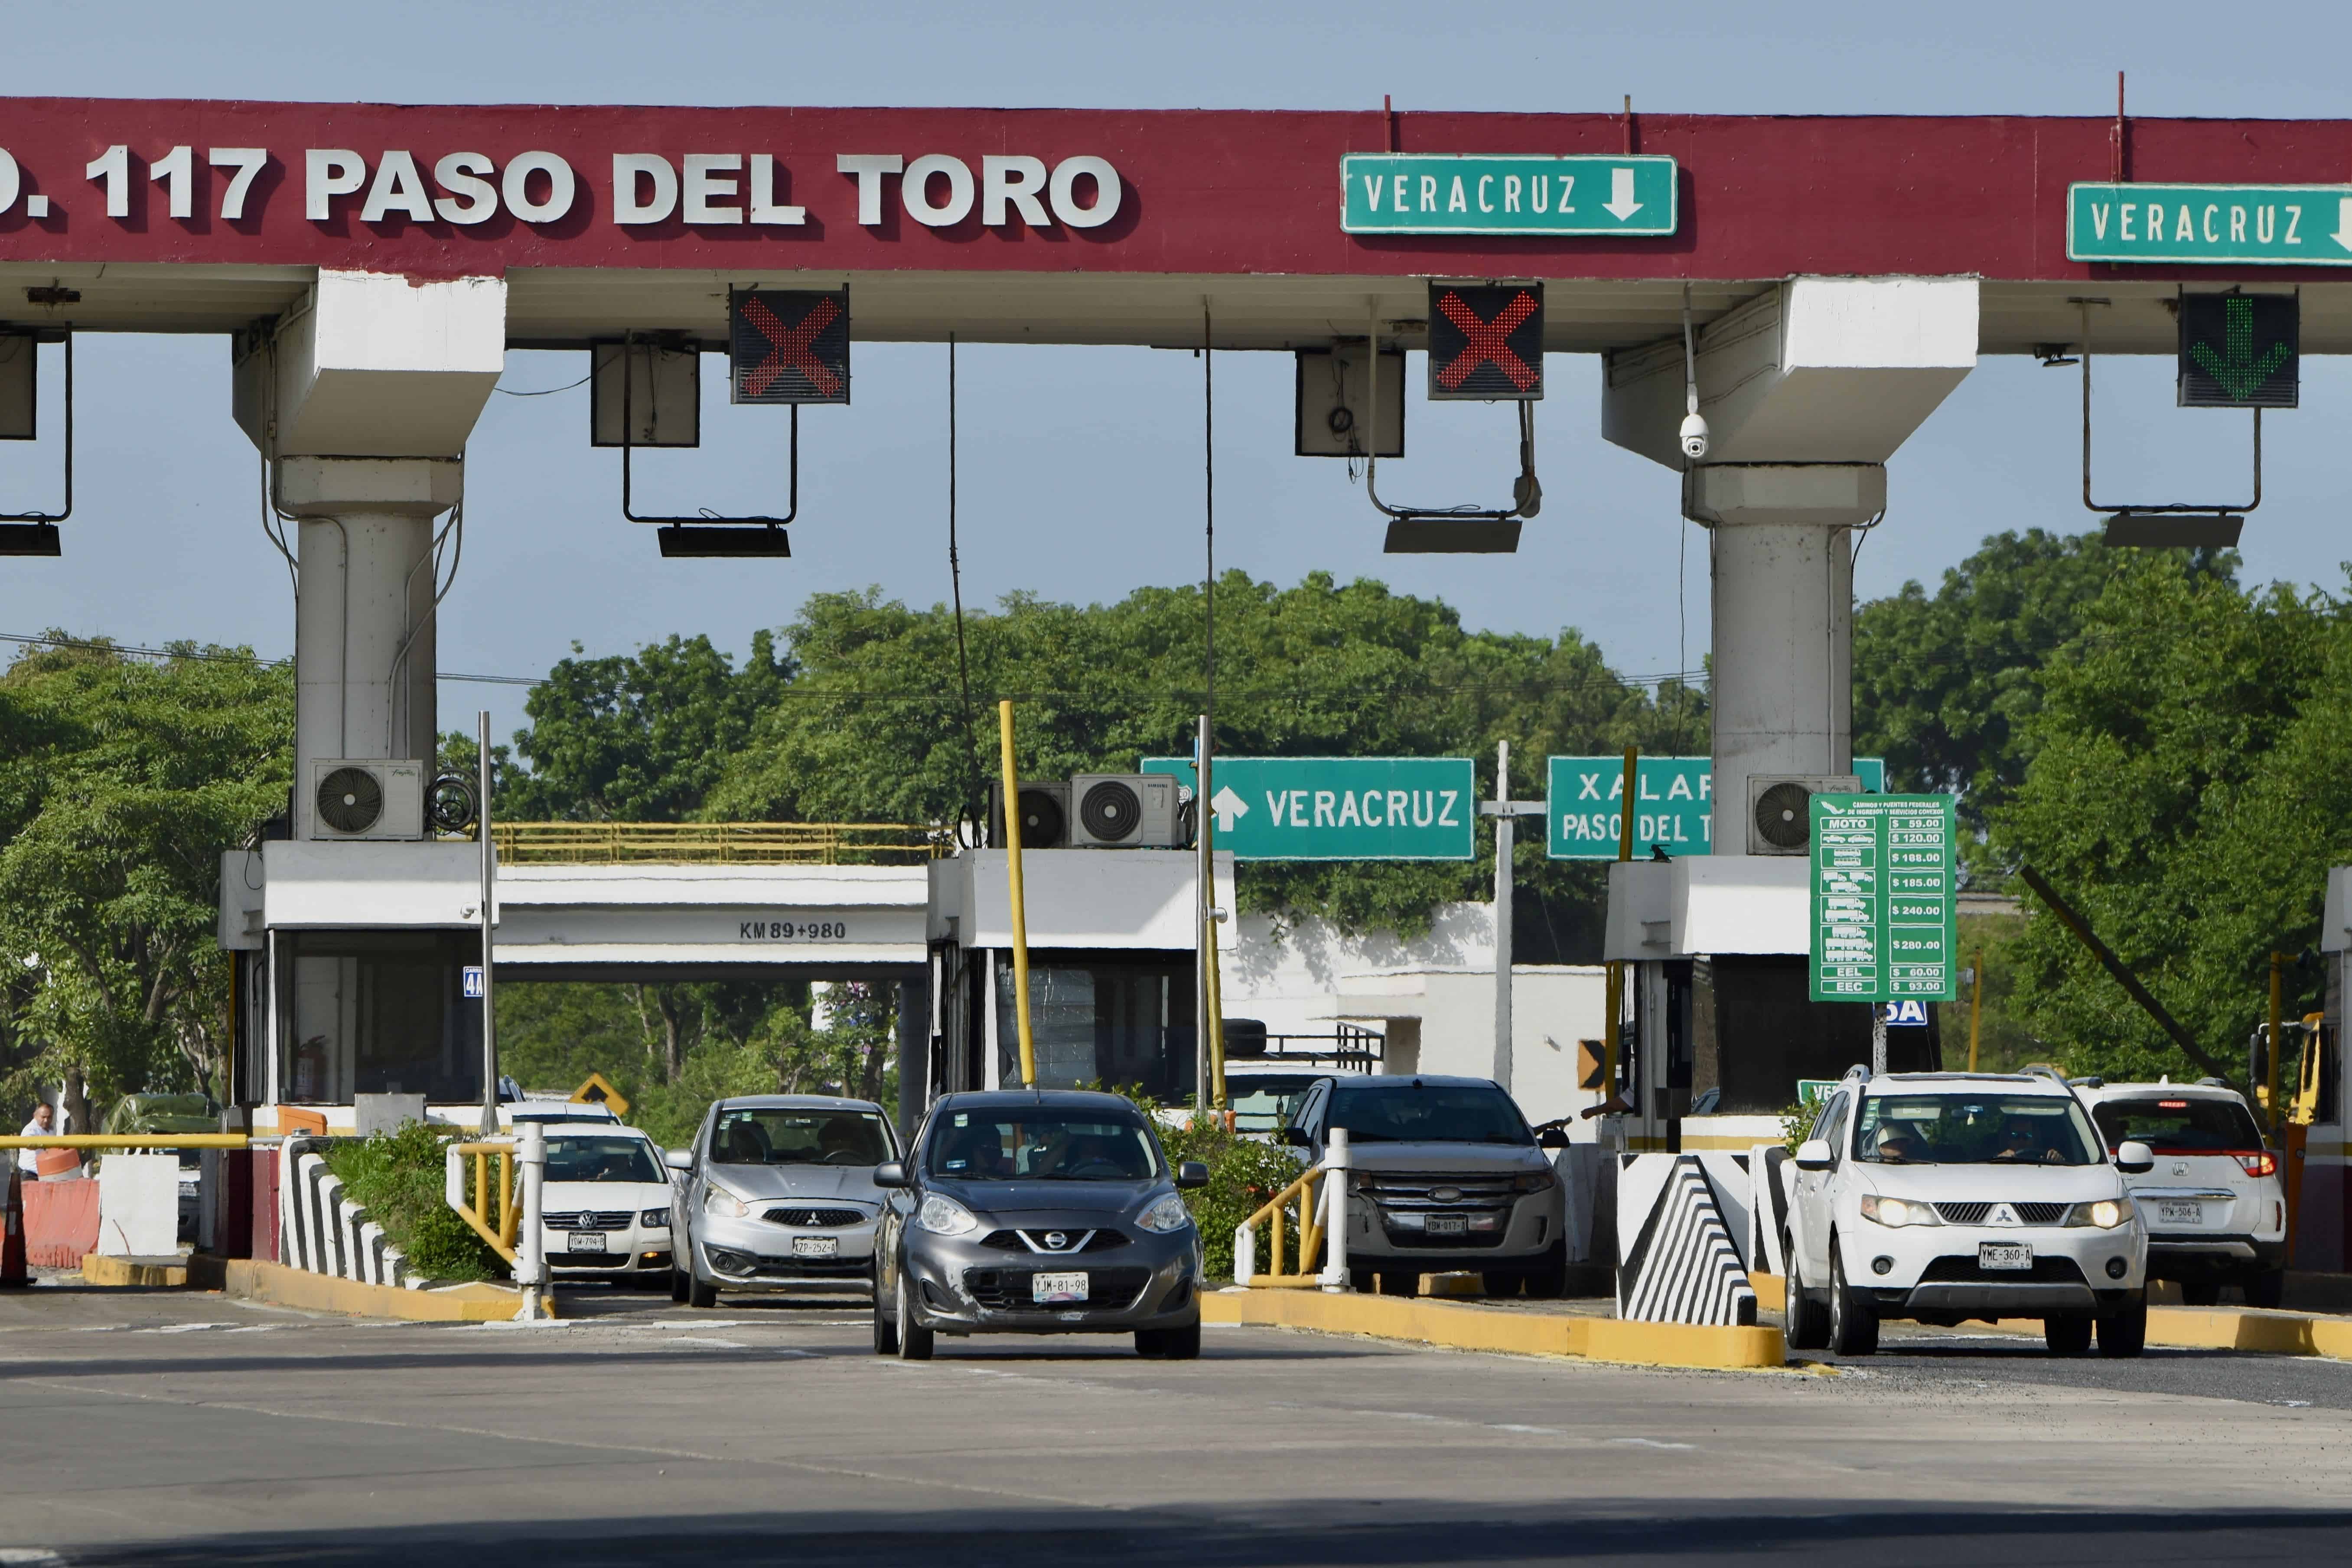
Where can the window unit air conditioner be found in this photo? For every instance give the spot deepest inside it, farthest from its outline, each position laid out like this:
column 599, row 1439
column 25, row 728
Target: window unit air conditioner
column 1045, row 816
column 365, row 797
column 1124, row 811
column 1781, row 809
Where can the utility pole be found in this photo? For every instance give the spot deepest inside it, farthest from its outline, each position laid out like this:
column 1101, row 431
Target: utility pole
column 490, row 875
column 1504, row 810
column 1204, row 911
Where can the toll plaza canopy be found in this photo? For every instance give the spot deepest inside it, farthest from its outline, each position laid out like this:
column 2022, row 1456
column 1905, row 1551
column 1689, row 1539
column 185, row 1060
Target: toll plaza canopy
column 1112, row 225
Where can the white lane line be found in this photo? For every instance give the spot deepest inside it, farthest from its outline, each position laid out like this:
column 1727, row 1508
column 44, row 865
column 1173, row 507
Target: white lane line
column 1649, row 1443
column 184, row 1328
column 30, row 1556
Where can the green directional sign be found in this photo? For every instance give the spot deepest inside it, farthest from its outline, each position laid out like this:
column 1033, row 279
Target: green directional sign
column 1673, row 807
column 1884, row 915
column 2239, row 226
column 2240, row 350
column 1501, row 192
column 1340, row 808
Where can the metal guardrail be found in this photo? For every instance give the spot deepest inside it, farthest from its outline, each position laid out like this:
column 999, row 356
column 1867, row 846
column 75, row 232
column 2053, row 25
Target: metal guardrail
column 719, row 843
column 1320, row 1194
column 517, row 1231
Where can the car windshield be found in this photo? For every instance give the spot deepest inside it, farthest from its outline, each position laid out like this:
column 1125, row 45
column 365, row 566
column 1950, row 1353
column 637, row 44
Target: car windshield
column 1429, row 1113
column 1975, row 1129
column 1263, row 1104
column 2179, row 1126
column 1042, row 1144
column 601, row 1159
column 775, row 1135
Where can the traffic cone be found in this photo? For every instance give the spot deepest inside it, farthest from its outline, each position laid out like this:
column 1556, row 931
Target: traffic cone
column 11, row 1245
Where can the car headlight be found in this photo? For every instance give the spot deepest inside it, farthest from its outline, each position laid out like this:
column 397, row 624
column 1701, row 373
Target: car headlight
column 1533, row 1181
column 654, row 1219
column 724, row 1204
column 944, row 1216
column 1169, row 1214
column 2106, row 1213
column 1898, row 1210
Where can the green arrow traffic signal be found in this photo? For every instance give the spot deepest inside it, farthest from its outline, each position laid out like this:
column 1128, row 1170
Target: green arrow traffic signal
column 2239, row 351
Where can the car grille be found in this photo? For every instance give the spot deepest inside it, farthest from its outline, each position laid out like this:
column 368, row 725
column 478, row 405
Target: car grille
column 1963, row 1271
column 805, row 1217
column 1974, row 1214
column 1415, row 1189
column 590, row 1220
column 1092, row 1241
column 744, row 1264
column 1010, row 1290
column 1470, row 1242
column 588, row 1259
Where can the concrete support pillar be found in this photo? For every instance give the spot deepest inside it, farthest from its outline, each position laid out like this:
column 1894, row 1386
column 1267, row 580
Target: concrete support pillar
column 364, row 631
column 1783, row 621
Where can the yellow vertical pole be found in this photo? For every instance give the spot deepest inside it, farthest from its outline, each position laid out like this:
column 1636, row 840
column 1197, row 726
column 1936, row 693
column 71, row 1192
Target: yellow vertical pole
column 1216, row 1018
column 1976, row 1010
column 1019, row 909
column 1615, row 1005
column 2278, row 1044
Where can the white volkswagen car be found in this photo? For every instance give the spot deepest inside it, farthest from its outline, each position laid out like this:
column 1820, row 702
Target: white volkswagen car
column 604, row 1213
column 2214, row 1206
column 1942, row 1197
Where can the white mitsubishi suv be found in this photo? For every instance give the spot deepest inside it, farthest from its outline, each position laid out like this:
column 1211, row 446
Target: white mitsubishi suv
column 1946, row 1197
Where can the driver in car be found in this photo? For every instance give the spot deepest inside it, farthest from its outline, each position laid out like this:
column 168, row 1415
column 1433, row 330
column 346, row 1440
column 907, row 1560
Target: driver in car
column 1899, row 1145
column 837, row 1144
column 2020, row 1142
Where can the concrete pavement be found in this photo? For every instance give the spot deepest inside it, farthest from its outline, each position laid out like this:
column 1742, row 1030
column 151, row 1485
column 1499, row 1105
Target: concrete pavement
column 165, row 1428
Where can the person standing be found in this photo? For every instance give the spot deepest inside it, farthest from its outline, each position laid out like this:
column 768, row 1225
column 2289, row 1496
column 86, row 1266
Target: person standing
column 42, row 1125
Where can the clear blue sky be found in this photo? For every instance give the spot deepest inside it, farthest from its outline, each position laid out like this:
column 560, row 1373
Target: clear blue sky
column 1080, row 472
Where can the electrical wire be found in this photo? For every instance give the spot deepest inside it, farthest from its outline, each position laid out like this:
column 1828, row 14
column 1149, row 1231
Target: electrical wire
column 133, row 650
column 548, row 391
column 972, row 810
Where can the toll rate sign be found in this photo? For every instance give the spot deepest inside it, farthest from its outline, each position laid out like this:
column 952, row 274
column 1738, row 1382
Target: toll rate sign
column 1340, row 808
column 1885, row 914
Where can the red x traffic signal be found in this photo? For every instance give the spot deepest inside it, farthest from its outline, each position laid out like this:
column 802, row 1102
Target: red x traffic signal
column 788, row 345
column 1485, row 342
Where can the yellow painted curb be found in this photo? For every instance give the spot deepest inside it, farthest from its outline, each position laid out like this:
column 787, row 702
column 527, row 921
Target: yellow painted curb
column 275, row 1283
column 1513, row 1332
column 1771, row 1291
column 98, row 1269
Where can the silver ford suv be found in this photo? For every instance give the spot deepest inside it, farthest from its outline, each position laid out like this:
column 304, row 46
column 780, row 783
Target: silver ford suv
column 1444, row 1175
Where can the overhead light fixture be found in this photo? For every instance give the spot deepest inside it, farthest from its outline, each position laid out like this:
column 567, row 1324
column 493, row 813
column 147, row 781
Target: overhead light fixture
column 686, row 539
column 1424, row 535
column 29, row 539
column 2175, row 530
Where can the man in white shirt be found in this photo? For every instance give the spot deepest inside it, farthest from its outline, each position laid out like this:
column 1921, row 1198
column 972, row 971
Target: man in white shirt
column 42, row 1125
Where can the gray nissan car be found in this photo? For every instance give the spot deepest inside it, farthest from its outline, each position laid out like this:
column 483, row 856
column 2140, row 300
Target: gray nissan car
column 1037, row 1212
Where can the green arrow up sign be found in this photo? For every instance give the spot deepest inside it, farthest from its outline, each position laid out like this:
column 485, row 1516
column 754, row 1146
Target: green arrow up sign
column 1340, row 808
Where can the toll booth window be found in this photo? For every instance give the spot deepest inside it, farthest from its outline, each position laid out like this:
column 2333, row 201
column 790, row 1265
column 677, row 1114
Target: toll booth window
column 377, row 1012
column 1118, row 1023
column 2180, row 1125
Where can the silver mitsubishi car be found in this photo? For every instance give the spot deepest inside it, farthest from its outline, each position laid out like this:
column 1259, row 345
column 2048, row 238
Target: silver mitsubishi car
column 778, row 1189
column 1037, row 1212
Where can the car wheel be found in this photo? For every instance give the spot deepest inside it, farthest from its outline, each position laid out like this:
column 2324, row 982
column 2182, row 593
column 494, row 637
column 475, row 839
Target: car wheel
column 2066, row 1336
column 678, row 1284
column 1401, row 1283
column 914, row 1341
column 2265, row 1288
column 886, row 1326
column 2200, row 1293
column 1169, row 1344
column 1853, row 1323
column 1548, row 1278
column 1807, row 1319
column 1502, row 1281
column 698, row 1293
column 2124, row 1333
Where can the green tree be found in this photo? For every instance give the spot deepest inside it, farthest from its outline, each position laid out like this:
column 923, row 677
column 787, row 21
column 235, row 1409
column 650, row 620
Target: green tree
column 122, row 781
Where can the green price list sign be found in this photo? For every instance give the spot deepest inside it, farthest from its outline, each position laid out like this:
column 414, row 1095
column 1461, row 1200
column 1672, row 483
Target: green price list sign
column 1884, row 912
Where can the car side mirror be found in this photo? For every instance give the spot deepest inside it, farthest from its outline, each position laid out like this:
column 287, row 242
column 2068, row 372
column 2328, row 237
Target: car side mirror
column 2135, row 1159
column 1296, row 1138
column 890, row 1173
column 1191, row 1174
column 1814, row 1154
column 679, row 1158
column 1552, row 1138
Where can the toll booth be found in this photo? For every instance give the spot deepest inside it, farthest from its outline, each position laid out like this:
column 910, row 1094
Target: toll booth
column 2317, row 1179
column 1718, row 1026
column 1112, row 975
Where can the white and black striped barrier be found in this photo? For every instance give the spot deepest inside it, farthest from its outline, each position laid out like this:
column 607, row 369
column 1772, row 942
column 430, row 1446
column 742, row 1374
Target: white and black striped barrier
column 323, row 1232
column 1677, row 1217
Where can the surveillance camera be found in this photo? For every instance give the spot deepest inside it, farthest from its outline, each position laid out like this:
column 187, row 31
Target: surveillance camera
column 1694, row 437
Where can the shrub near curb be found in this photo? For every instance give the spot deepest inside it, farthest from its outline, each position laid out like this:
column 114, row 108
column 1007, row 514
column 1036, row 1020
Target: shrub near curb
column 400, row 1178
column 1243, row 1174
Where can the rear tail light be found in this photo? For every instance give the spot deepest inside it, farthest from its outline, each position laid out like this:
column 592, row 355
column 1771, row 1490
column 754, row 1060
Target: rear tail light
column 2262, row 1165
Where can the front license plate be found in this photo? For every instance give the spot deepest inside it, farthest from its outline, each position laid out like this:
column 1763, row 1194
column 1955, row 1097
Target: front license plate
column 1447, row 1224
column 586, row 1241
column 816, row 1247
column 2015, row 1254
column 1052, row 1290
column 2186, row 1211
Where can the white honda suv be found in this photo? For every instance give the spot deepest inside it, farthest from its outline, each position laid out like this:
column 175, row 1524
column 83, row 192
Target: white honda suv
column 1946, row 1197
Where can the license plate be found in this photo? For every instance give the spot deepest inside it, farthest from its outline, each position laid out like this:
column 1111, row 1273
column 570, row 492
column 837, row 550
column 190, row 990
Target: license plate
column 2004, row 1255
column 816, row 1247
column 1051, row 1289
column 1447, row 1224
column 586, row 1241
column 2186, row 1211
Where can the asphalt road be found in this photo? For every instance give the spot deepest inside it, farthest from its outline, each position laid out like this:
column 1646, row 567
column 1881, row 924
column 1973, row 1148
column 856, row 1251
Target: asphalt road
column 167, row 1428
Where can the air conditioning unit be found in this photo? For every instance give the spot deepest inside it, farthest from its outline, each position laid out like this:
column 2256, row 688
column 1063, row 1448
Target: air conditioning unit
column 1045, row 816
column 1124, row 811
column 1781, row 809
column 366, row 798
